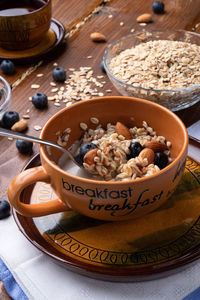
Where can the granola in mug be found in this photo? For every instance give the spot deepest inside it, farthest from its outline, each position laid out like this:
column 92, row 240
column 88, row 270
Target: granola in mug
column 118, row 153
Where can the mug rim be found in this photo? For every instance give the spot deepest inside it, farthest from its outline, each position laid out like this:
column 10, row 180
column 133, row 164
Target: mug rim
column 86, row 180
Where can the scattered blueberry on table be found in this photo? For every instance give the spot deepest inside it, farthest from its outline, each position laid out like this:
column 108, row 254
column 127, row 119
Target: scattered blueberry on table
column 4, row 209
column 161, row 159
column 59, row 74
column 102, row 66
column 40, row 100
column 7, row 67
column 158, row 7
column 9, row 118
column 24, row 147
column 85, row 148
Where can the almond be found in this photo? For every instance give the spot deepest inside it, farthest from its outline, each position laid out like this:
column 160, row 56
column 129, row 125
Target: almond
column 97, row 37
column 144, row 18
column 148, row 154
column 121, row 129
column 89, row 156
column 156, row 146
column 20, row 126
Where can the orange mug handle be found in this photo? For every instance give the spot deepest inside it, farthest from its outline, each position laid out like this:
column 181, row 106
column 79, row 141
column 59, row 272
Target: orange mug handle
column 24, row 179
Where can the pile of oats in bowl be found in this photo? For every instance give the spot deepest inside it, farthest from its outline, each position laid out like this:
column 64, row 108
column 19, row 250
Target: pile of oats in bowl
column 119, row 153
column 159, row 64
column 162, row 66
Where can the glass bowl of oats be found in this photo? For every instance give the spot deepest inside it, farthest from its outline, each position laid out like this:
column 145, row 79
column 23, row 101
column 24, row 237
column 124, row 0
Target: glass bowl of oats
column 5, row 96
column 162, row 66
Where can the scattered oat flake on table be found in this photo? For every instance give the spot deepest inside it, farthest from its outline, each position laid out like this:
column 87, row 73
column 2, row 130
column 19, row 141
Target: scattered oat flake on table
column 110, row 16
column 52, row 83
column 54, row 90
column 37, row 127
column 121, row 23
column 35, row 86
column 40, row 75
column 51, row 98
column 55, row 64
column 89, row 56
column 26, row 117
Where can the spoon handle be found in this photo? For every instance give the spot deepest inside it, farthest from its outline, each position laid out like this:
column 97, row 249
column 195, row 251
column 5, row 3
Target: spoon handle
column 18, row 135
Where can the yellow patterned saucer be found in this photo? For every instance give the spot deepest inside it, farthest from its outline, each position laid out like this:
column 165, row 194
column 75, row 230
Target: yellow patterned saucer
column 145, row 248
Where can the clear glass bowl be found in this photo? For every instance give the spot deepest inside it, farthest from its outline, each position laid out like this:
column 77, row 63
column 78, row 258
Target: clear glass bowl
column 5, row 99
column 174, row 99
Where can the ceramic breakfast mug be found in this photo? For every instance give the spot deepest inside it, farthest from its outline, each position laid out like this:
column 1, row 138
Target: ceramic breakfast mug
column 105, row 200
column 23, row 23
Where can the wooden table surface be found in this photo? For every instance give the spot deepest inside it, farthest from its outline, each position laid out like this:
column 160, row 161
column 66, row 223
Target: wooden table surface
column 81, row 17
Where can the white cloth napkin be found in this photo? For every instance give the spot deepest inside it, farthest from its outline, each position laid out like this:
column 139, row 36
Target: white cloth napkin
column 42, row 279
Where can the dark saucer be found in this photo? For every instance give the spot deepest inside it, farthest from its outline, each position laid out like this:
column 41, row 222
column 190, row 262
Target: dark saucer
column 51, row 41
column 160, row 244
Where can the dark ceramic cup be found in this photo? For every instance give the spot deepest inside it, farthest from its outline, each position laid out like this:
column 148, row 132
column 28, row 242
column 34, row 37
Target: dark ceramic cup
column 23, row 23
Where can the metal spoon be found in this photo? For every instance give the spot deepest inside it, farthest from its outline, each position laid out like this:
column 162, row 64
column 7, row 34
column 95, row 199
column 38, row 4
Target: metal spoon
column 18, row 135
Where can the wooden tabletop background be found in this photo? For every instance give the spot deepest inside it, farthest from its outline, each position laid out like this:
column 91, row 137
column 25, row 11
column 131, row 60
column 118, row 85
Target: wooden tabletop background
column 81, row 18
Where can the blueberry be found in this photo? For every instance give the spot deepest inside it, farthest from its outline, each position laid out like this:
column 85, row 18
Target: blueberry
column 83, row 150
column 158, row 7
column 4, row 209
column 7, row 67
column 161, row 159
column 79, row 159
column 9, row 118
column 59, row 74
column 135, row 148
column 24, row 147
column 102, row 66
column 40, row 100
